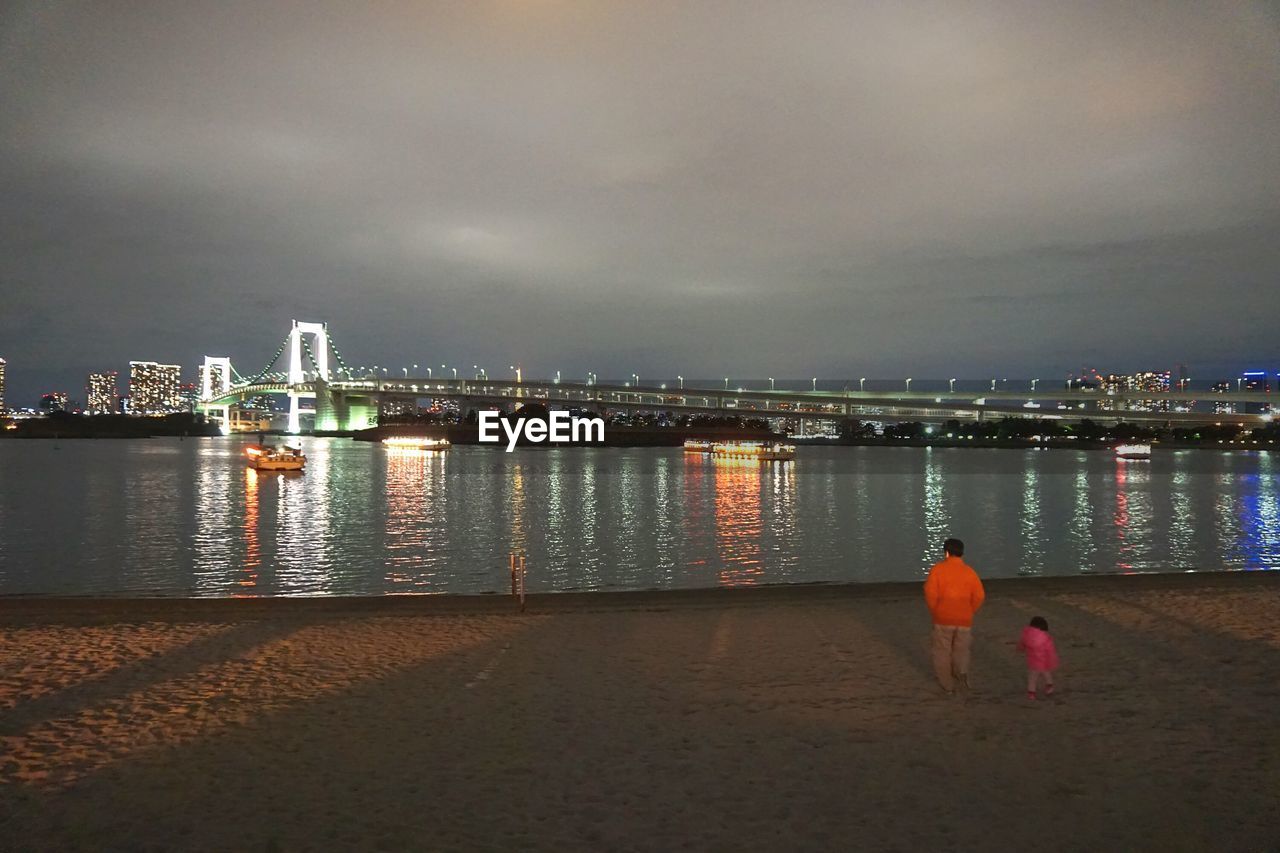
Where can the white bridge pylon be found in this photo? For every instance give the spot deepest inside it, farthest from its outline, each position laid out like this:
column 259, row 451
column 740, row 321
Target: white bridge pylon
column 320, row 350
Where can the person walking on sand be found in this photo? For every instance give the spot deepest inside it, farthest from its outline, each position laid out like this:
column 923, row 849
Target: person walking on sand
column 954, row 593
column 1042, row 656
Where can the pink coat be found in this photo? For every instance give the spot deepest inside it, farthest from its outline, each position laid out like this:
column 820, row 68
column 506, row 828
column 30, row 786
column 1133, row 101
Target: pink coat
column 1042, row 655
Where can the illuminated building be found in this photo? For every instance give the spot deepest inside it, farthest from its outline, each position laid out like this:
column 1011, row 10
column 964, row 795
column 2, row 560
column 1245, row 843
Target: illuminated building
column 153, row 388
column 1147, row 380
column 1256, row 381
column 101, row 394
column 189, row 395
column 54, row 401
column 2, row 366
column 1222, row 386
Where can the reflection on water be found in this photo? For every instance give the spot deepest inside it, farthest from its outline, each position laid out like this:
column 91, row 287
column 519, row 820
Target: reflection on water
column 1032, row 527
column 1081, row 535
column 189, row 518
column 738, row 522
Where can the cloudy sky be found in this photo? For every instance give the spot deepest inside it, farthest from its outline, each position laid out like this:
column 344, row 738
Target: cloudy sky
column 708, row 188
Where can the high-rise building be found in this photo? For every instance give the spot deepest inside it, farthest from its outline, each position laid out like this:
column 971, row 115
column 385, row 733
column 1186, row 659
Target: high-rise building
column 1256, row 381
column 153, row 388
column 1148, row 380
column 2, row 367
column 54, row 401
column 1222, row 386
column 101, row 394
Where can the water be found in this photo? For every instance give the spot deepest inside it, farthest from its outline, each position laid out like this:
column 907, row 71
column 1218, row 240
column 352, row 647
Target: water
column 187, row 518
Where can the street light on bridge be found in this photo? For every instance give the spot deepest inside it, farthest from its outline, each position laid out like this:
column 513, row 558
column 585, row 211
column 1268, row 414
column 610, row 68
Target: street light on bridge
column 953, row 386
column 862, row 384
column 726, row 383
column 681, row 378
column 1033, row 385
column 815, row 383
column 770, row 383
column 908, row 384
column 993, row 385
column 635, row 378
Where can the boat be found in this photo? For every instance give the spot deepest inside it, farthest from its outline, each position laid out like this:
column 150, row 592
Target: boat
column 697, row 445
column 764, row 451
column 282, row 458
column 1133, row 451
column 407, row 442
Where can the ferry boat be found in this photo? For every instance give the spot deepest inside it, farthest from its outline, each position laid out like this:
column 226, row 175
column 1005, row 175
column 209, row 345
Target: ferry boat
column 697, row 445
column 283, row 458
column 764, row 451
column 1133, row 451
column 405, row 442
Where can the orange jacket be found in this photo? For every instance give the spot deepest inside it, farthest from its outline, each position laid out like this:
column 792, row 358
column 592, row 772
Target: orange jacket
column 953, row 592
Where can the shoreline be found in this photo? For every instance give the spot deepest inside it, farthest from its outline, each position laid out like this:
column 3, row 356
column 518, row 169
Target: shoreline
column 22, row 607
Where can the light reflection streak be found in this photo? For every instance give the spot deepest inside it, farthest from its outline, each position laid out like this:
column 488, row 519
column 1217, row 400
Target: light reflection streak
column 1031, row 520
column 738, row 521
column 937, row 519
column 410, row 502
column 1181, row 513
column 303, row 524
column 252, row 547
column 666, row 529
column 517, row 533
column 214, row 538
column 590, row 521
column 784, row 546
column 1082, row 535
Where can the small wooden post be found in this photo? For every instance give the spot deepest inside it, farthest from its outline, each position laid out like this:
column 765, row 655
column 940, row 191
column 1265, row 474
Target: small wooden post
column 513, row 574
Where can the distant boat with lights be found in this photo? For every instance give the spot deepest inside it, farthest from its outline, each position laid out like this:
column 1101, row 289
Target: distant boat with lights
column 1133, row 451
column 404, row 442
column 283, row 458
column 763, row 451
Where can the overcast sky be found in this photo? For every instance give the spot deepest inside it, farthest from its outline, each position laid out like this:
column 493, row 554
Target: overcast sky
column 736, row 188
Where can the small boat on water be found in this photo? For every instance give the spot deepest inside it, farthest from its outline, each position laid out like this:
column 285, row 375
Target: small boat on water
column 1133, row 451
column 406, row 442
column 282, row 458
column 697, row 445
column 763, row 451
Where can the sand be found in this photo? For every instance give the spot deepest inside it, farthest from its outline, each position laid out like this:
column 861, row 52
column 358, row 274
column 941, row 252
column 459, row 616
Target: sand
column 792, row 719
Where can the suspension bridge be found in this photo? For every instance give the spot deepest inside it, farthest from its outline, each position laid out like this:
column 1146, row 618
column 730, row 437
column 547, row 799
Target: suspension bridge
column 321, row 386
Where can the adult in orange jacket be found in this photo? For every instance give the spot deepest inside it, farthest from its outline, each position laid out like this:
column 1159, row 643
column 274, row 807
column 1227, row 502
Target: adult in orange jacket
column 954, row 593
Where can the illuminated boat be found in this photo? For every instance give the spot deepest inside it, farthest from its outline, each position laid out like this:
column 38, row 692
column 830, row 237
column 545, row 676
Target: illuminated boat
column 764, row 451
column 697, row 445
column 407, row 442
column 1133, row 451
column 282, row 458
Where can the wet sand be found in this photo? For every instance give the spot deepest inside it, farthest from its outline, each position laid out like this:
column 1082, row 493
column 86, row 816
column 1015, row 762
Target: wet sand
column 795, row 718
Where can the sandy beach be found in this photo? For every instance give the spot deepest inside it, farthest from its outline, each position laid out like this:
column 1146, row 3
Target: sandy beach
column 773, row 719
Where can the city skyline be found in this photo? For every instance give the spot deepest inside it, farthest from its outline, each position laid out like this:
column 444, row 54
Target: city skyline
column 905, row 191
column 179, row 373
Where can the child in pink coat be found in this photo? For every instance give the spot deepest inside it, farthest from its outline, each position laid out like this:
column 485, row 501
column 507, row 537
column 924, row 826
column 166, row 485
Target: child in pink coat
column 1042, row 655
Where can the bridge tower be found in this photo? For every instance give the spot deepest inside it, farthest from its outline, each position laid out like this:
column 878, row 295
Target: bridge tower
column 215, row 381
column 319, row 351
